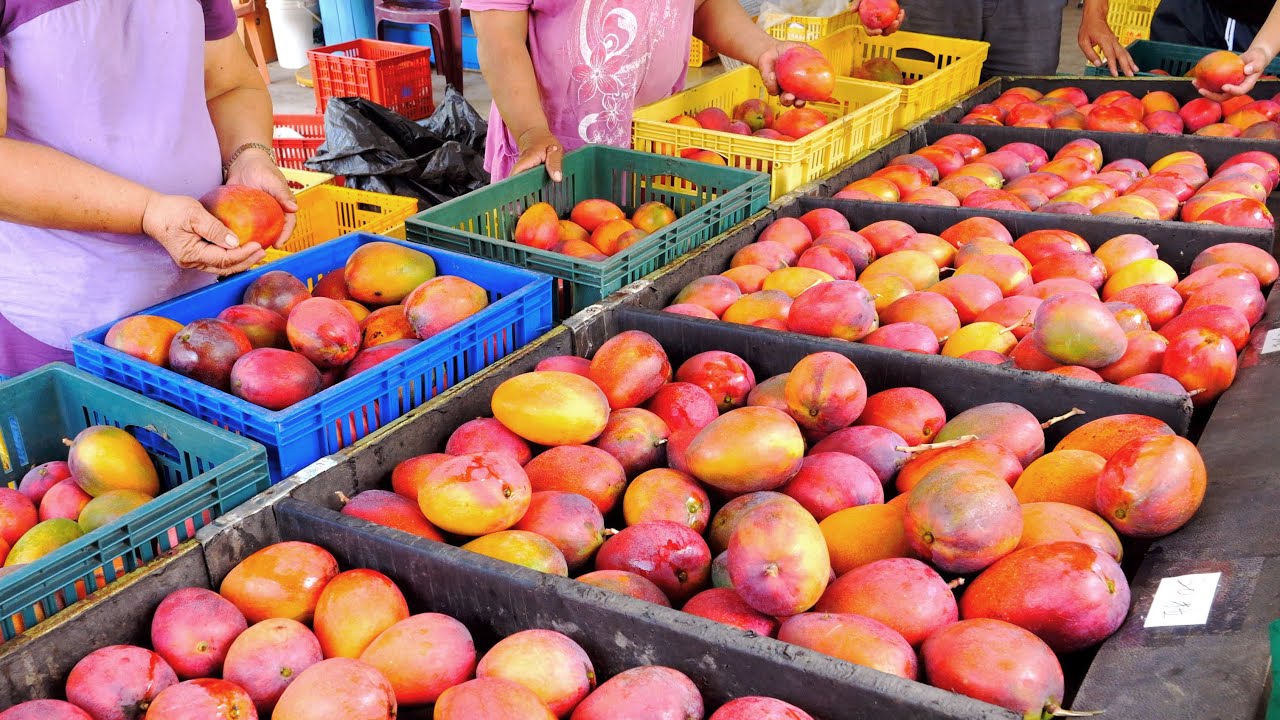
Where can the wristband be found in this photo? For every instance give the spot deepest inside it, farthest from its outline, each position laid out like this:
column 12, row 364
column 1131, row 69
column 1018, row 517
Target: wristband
column 271, row 153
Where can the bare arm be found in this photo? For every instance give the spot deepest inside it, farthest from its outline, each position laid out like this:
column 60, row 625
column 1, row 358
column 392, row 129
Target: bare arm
column 240, row 108
column 55, row 190
column 502, row 38
column 1095, row 32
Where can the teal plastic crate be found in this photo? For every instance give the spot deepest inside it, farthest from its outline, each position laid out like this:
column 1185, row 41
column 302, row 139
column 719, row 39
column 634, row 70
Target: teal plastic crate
column 710, row 200
column 204, row 472
column 1177, row 60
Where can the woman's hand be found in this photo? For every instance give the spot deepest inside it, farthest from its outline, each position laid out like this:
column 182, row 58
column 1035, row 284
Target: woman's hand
column 765, row 64
column 255, row 169
column 1255, row 63
column 1095, row 32
column 539, row 146
column 194, row 238
column 893, row 27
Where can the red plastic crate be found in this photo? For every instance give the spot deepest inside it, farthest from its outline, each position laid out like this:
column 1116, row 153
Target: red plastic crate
column 394, row 75
column 291, row 152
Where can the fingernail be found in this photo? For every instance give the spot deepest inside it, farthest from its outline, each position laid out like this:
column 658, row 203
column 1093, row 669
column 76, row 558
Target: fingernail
column 232, row 240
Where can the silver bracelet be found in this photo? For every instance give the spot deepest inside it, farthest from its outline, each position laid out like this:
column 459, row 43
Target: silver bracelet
column 271, row 153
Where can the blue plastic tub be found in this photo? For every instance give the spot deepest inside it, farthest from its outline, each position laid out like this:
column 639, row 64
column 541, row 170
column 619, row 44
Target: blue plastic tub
column 346, row 20
column 519, row 311
column 204, row 472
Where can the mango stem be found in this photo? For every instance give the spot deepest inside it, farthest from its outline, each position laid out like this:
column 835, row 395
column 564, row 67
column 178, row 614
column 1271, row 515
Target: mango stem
column 342, row 498
column 936, row 446
column 1057, row 710
column 68, row 442
column 1054, row 421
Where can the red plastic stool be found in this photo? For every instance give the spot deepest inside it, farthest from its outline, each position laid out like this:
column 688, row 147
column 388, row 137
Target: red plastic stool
column 444, row 17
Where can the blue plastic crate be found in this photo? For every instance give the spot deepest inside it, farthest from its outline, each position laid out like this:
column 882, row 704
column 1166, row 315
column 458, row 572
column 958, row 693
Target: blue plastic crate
column 346, row 20
column 421, row 35
column 519, row 311
column 204, row 472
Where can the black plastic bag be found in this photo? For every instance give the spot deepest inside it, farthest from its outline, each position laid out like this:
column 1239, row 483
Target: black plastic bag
column 379, row 150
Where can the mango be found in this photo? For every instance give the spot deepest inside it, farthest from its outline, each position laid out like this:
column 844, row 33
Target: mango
column 731, row 513
column 664, row 494
column 681, row 405
column 1062, row 476
column 995, row 662
column 824, row 392
column 1050, row 522
column 713, row 292
column 1203, row 361
column 755, row 707
column 278, row 291
column 852, row 638
column 570, row 521
column 1075, row 329
column 354, row 608
column 337, row 688
column 475, row 494
column 795, row 280
column 594, row 212
column 64, row 500
column 422, row 656
column 391, row 510
column 520, row 547
column 841, row 309
column 587, row 471
column 265, row 658
column 778, row 559
column 44, row 710
column 42, row 539
column 546, row 662
column 725, row 376
column 762, row 308
column 552, row 407
column 1106, row 435
column 201, row 698
column 539, row 227
column 109, row 507
column 384, row 273
column 668, row 554
column 1152, row 486
column 118, row 681
column 629, row 368
column 903, row 593
column 963, row 520
column 442, row 302
column 746, row 450
column 145, row 337
column 724, row 605
column 281, row 580
column 1069, row 594
column 831, row 481
column 193, row 629
column 649, row 691
column 982, row 455
column 626, row 583
column 252, row 215
column 324, row 332
column 385, row 325
column 1006, row 424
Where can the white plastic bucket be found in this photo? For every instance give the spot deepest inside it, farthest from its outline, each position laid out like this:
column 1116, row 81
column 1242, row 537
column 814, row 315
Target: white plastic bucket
column 292, row 24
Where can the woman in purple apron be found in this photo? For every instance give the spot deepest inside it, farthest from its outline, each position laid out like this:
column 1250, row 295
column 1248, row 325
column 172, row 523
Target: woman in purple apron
column 114, row 116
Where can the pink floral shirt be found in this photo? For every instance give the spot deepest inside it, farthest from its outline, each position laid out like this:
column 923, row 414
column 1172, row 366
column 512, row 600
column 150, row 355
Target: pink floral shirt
column 596, row 62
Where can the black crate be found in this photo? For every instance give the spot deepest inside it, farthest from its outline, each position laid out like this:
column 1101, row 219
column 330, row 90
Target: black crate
column 1180, row 88
column 1146, row 148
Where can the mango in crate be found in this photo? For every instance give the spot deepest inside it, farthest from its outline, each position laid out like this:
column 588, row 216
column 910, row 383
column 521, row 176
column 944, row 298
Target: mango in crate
column 596, row 229
column 879, row 70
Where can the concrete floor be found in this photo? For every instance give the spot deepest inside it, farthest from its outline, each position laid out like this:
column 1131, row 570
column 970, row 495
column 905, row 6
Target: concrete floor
column 291, row 98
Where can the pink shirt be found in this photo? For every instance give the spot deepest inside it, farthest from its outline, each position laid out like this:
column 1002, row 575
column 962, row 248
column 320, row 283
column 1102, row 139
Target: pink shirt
column 596, row 62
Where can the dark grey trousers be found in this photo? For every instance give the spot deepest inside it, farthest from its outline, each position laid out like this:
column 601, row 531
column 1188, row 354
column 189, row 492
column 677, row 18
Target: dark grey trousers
column 1025, row 35
column 1196, row 22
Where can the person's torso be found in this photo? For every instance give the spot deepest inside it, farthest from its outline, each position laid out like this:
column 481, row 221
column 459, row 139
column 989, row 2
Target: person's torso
column 118, row 84
column 1251, row 12
column 597, row 60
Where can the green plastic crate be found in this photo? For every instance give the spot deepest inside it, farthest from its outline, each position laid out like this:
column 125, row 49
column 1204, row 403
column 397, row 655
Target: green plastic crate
column 710, row 201
column 1175, row 59
column 204, row 472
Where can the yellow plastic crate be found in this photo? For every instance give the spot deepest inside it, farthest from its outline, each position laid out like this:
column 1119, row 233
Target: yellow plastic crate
column 328, row 211
column 700, row 53
column 1130, row 20
column 861, row 117
column 956, row 67
column 799, row 28
column 300, row 180
column 807, row 29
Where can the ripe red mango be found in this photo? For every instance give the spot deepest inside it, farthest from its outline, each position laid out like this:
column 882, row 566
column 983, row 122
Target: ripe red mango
column 962, row 520
column 852, row 638
column 996, row 662
column 1152, row 486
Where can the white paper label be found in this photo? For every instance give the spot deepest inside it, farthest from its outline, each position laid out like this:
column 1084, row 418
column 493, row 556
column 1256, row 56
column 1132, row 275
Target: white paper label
column 1271, row 342
column 1183, row 600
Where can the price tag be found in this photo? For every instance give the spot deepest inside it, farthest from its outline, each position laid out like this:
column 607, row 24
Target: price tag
column 1271, row 342
column 1183, row 600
